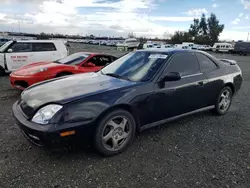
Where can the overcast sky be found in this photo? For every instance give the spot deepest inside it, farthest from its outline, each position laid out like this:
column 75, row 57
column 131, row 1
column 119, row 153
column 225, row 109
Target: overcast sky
column 151, row 18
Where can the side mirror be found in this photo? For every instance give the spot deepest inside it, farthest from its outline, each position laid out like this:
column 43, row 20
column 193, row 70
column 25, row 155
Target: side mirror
column 89, row 64
column 10, row 50
column 171, row 76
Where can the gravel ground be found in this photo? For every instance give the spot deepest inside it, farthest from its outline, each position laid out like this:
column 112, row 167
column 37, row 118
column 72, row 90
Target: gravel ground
column 202, row 150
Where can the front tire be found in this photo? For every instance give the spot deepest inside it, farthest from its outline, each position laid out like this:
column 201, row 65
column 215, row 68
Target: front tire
column 223, row 101
column 2, row 72
column 115, row 132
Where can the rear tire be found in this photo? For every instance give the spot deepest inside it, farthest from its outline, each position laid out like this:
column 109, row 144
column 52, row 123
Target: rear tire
column 114, row 133
column 223, row 101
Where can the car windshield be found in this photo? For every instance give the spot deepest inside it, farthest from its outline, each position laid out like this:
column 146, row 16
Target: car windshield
column 73, row 59
column 3, row 47
column 136, row 66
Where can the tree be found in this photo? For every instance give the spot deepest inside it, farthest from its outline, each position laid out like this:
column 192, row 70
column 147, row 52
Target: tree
column 194, row 28
column 180, row 36
column 203, row 29
column 214, row 28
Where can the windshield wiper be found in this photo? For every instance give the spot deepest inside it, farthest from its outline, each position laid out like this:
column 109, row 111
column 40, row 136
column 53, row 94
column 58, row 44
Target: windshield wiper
column 117, row 76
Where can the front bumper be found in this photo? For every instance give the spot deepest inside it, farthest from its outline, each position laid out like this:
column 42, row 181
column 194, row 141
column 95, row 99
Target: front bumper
column 50, row 135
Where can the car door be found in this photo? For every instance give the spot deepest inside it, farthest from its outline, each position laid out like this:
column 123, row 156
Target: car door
column 211, row 70
column 44, row 51
column 174, row 98
column 19, row 54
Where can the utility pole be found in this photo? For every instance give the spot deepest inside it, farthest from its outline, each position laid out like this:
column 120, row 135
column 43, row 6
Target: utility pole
column 247, row 36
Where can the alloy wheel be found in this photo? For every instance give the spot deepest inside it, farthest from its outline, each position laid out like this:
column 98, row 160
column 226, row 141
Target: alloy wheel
column 225, row 100
column 116, row 133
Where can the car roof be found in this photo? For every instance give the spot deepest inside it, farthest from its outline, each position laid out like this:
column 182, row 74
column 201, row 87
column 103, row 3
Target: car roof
column 168, row 50
column 40, row 41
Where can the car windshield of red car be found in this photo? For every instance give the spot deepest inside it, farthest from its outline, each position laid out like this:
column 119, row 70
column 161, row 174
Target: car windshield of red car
column 73, row 59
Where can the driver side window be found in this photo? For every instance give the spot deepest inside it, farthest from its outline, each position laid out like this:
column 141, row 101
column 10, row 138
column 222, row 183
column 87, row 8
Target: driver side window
column 100, row 60
column 185, row 64
column 21, row 47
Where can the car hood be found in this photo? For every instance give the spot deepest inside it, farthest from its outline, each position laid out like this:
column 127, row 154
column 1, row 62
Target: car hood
column 70, row 88
column 32, row 68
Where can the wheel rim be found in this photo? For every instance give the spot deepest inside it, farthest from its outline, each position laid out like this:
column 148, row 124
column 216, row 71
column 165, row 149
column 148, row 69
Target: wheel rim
column 225, row 101
column 116, row 133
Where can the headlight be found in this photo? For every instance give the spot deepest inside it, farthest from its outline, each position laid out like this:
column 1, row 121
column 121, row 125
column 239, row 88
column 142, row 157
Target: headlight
column 38, row 70
column 44, row 115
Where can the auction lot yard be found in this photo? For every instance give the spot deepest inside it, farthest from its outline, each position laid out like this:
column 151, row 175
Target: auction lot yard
column 202, row 150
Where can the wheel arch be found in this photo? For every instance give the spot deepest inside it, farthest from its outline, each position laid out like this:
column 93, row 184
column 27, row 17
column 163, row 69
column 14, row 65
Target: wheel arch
column 2, row 71
column 231, row 86
column 132, row 110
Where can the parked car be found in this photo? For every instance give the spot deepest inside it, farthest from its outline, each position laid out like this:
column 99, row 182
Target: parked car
column 190, row 45
column 222, row 47
column 140, row 90
column 181, row 46
column 80, row 62
column 207, row 47
column 103, row 42
column 109, row 43
column 148, row 45
column 200, row 47
column 166, row 46
column 129, row 43
column 242, row 48
column 16, row 54
column 96, row 41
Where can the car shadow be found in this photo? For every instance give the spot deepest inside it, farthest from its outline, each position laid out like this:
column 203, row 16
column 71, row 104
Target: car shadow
column 85, row 150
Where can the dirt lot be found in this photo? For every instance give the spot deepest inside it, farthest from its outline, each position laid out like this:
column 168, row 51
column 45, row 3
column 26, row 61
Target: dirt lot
column 202, row 150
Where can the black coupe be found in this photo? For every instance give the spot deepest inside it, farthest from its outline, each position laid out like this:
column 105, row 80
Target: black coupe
column 142, row 89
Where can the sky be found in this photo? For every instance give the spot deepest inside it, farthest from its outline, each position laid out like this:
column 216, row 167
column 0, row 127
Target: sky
column 149, row 18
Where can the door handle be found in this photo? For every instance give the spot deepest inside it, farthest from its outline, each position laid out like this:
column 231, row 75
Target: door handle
column 202, row 83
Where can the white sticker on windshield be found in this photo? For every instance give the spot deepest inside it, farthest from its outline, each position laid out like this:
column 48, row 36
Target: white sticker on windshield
column 158, row 56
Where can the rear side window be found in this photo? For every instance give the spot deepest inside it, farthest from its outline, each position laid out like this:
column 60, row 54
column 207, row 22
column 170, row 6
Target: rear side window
column 43, row 47
column 21, row 47
column 184, row 63
column 206, row 64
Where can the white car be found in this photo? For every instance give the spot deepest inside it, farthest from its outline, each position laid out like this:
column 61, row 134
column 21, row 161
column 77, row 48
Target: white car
column 129, row 43
column 109, row 43
column 190, row 45
column 166, row 46
column 222, row 47
column 181, row 46
column 15, row 54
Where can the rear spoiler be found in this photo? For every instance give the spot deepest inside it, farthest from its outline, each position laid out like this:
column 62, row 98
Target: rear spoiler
column 229, row 61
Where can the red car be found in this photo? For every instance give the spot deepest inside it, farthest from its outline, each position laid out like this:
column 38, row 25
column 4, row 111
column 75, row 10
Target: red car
column 81, row 62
